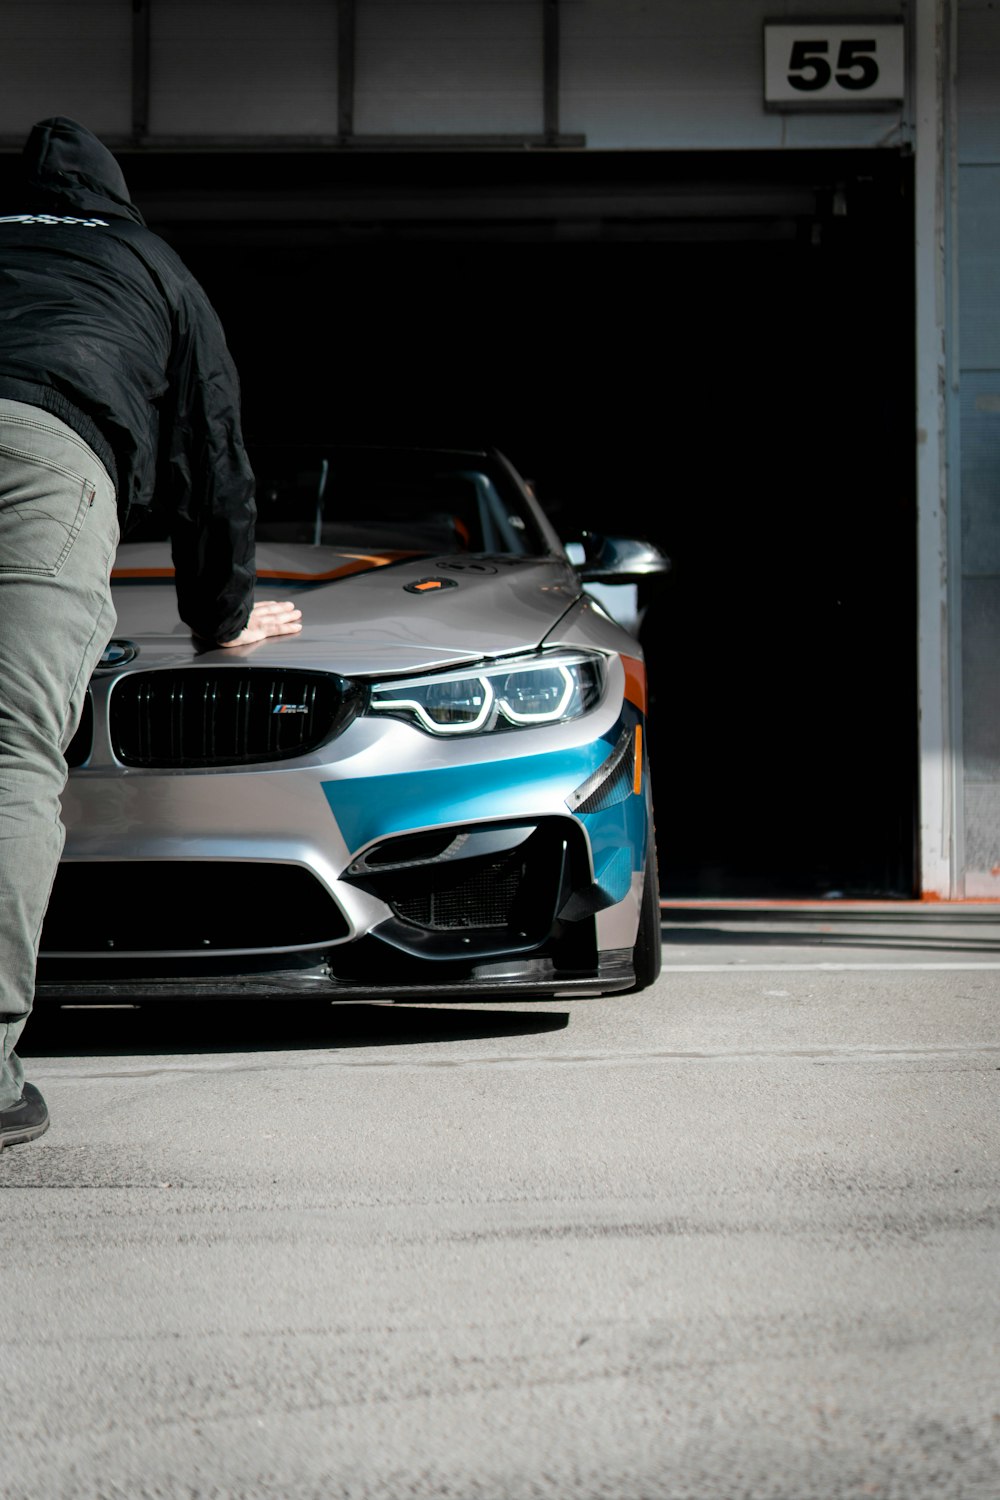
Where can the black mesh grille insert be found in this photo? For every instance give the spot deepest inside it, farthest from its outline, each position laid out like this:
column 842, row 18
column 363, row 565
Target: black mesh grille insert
column 80, row 745
column 131, row 906
column 451, row 897
column 228, row 716
column 512, row 894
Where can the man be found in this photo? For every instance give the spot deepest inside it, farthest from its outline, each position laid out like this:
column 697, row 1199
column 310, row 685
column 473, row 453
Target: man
column 115, row 379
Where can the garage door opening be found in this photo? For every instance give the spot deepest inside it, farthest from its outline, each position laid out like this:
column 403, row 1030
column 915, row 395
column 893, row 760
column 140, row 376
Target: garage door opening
column 714, row 352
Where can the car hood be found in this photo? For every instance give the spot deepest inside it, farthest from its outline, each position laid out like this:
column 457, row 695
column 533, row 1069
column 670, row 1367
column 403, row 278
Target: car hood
column 363, row 613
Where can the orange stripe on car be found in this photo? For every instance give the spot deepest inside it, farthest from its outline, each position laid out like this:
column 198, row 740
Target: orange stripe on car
column 359, row 562
column 142, row 573
column 356, row 565
column 637, row 767
column 635, row 681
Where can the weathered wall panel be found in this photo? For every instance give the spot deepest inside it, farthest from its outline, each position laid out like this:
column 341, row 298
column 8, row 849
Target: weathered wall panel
column 243, row 67
column 66, row 57
column 438, row 66
column 979, row 239
column 978, row 76
column 979, row 379
column 980, row 423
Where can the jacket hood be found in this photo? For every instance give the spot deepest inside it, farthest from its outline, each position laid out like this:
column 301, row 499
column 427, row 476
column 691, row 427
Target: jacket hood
column 63, row 160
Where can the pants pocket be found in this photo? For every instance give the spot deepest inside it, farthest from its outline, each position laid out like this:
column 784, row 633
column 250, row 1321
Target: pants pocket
column 42, row 511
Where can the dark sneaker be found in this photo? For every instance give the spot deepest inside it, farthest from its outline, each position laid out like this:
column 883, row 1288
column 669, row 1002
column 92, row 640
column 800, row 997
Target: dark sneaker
column 24, row 1120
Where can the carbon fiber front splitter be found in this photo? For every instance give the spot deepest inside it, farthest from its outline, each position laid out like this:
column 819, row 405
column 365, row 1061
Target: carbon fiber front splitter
column 526, row 981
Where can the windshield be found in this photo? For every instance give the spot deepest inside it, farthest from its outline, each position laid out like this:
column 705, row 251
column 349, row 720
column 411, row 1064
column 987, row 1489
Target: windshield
column 408, row 499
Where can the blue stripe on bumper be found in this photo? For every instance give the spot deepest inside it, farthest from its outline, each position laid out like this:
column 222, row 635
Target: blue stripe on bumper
column 372, row 807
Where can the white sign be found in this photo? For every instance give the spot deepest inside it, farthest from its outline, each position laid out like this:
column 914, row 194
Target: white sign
column 833, row 65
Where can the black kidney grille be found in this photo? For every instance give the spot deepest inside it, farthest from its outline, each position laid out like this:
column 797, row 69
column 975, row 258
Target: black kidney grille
column 230, row 716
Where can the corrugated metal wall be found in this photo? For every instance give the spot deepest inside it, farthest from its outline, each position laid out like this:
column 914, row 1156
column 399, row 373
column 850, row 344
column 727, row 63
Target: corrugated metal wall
column 633, row 74
column 979, row 384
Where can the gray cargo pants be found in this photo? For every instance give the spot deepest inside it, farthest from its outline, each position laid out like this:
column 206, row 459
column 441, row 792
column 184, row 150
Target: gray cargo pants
column 58, row 536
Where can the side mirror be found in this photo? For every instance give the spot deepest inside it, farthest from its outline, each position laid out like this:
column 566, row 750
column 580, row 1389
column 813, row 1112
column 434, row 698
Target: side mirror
column 616, row 559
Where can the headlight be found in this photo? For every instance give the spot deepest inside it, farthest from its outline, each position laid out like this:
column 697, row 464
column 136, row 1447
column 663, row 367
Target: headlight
column 515, row 694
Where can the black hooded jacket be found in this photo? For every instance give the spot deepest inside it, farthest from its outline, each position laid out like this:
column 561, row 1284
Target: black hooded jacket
column 103, row 325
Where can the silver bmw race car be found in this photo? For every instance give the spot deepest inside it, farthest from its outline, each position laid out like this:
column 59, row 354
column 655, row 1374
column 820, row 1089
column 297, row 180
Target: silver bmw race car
column 439, row 789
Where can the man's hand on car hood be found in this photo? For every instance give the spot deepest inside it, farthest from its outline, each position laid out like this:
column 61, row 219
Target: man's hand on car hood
column 267, row 618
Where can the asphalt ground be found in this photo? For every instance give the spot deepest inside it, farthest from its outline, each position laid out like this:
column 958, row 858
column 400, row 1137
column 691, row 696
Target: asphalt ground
column 737, row 1236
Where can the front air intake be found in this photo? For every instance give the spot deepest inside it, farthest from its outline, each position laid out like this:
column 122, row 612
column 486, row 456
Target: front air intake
column 228, row 716
column 195, row 906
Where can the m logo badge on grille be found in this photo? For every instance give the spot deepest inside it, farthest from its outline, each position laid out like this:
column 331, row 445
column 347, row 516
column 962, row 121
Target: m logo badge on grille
column 290, row 708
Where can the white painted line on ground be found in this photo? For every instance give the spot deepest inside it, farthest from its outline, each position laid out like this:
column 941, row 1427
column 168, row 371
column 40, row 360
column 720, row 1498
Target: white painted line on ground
column 739, row 968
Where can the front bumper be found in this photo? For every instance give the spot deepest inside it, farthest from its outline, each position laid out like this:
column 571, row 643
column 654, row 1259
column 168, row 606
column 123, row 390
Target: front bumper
column 383, row 866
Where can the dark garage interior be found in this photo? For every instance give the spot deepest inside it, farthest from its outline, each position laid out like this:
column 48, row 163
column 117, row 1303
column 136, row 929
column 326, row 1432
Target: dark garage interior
column 714, row 352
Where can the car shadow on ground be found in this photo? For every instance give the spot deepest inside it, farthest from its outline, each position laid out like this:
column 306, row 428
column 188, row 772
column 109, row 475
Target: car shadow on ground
column 927, row 931
column 174, row 1028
